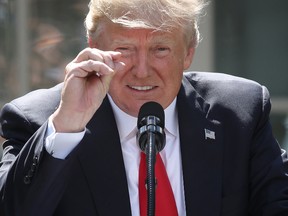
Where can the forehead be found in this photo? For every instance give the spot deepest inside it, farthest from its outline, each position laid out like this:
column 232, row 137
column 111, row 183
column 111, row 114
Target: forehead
column 140, row 35
column 120, row 34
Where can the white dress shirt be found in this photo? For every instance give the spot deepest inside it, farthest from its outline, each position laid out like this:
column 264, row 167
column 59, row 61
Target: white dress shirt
column 127, row 127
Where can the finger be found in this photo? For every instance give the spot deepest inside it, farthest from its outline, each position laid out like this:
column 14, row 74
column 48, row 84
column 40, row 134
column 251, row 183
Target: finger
column 97, row 55
column 106, row 80
column 111, row 57
column 87, row 68
column 119, row 66
column 108, row 57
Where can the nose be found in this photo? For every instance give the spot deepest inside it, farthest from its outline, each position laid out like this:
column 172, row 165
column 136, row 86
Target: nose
column 141, row 68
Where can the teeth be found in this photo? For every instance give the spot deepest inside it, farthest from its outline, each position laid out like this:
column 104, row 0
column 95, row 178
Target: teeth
column 142, row 88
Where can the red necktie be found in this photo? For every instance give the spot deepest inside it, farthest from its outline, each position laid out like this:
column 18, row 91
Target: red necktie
column 165, row 204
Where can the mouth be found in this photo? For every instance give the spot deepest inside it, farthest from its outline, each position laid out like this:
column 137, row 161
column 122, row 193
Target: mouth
column 142, row 88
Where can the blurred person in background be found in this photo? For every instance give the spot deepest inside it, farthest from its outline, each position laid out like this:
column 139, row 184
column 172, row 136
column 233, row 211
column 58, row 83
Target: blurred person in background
column 72, row 150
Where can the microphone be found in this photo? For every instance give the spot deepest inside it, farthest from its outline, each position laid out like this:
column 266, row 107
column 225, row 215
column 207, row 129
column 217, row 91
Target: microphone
column 151, row 121
column 151, row 139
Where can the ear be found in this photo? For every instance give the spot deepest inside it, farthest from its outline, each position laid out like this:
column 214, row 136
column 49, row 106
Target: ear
column 189, row 57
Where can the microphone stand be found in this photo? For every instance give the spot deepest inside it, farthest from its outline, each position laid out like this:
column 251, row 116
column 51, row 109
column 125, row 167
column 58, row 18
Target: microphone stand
column 151, row 180
column 151, row 139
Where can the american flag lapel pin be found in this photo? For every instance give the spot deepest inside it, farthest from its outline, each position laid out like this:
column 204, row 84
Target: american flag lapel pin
column 209, row 134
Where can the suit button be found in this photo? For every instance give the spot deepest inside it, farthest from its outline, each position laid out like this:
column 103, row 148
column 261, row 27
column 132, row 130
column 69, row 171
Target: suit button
column 33, row 167
column 27, row 180
column 35, row 160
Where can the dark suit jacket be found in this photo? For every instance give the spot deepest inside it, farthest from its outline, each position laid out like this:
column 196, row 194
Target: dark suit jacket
column 240, row 172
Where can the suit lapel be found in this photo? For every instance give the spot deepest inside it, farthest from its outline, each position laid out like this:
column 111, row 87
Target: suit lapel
column 102, row 161
column 201, row 150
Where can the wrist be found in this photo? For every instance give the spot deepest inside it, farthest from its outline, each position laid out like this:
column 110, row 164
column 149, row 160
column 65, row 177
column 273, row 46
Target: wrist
column 68, row 123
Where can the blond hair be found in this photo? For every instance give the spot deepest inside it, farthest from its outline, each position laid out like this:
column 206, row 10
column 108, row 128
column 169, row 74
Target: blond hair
column 159, row 15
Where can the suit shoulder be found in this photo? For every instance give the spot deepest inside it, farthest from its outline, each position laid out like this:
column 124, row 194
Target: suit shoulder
column 230, row 94
column 219, row 78
column 223, row 84
column 39, row 97
column 36, row 106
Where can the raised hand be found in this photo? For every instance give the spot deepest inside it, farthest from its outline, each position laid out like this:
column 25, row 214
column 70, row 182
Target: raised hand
column 86, row 83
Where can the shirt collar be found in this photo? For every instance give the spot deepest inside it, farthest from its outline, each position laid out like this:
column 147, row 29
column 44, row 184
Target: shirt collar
column 171, row 118
column 127, row 124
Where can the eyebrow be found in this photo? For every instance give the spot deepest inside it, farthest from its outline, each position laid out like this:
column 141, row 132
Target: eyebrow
column 154, row 40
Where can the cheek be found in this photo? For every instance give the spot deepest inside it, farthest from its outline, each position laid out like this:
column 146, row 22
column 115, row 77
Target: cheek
column 174, row 71
column 174, row 64
column 119, row 80
column 127, row 60
column 115, row 82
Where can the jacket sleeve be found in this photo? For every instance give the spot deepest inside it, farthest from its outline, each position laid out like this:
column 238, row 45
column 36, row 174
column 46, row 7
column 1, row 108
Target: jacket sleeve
column 268, row 169
column 31, row 181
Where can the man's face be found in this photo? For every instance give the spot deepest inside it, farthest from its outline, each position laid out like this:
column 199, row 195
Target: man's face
column 154, row 64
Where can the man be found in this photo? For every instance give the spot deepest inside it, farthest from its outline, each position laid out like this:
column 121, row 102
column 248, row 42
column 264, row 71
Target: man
column 71, row 149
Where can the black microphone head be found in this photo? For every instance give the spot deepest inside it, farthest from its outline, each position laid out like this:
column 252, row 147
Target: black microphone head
column 151, row 109
column 151, row 120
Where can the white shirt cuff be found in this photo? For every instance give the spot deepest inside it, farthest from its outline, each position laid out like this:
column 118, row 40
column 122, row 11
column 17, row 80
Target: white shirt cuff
column 59, row 145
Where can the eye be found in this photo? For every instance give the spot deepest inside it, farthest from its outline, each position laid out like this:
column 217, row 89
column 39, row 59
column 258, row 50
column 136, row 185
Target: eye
column 126, row 51
column 122, row 48
column 161, row 51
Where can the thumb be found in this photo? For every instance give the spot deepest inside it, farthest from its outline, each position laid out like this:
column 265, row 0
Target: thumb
column 106, row 80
